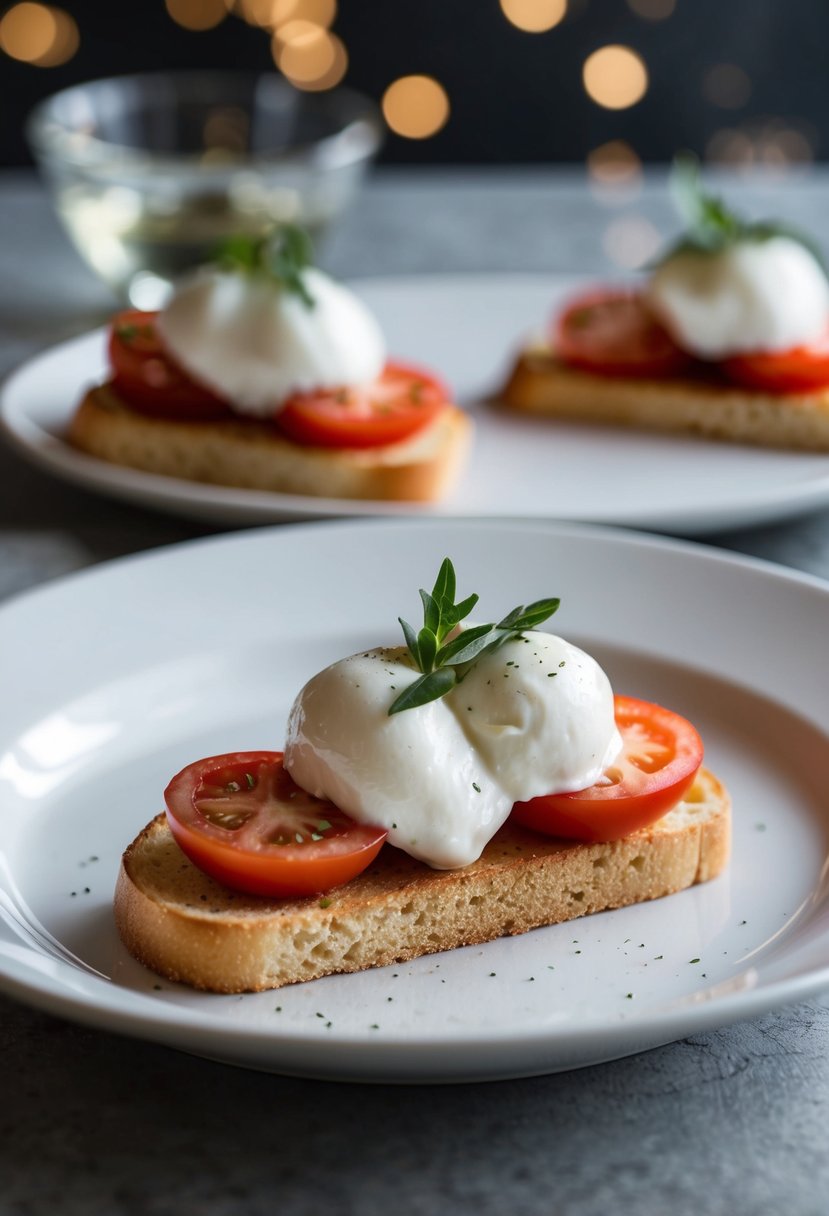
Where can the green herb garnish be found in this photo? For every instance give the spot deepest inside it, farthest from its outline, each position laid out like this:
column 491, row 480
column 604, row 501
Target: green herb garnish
column 281, row 255
column 711, row 226
column 129, row 332
column 443, row 655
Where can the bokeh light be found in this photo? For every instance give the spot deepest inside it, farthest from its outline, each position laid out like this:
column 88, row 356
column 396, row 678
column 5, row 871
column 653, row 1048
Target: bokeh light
column 320, row 12
column 772, row 145
column 730, row 146
column 271, row 14
column 615, row 77
column 415, row 107
column 256, row 12
column 27, row 31
column 310, row 56
column 653, row 10
column 787, row 146
column 197, row 14
column 631, row 241
column 534, row 16
column 726, row 85
column 39, row 34
column 300, row 32
column 614, row 164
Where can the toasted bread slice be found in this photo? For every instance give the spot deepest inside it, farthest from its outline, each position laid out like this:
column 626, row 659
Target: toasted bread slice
column 701, row 404
column 187, row 927
column 253, row 456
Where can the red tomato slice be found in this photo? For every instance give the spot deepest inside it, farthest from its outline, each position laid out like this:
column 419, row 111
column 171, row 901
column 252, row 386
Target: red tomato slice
column 149, row 380
column 660, row 757
column 612, row 333
column 242, row 820
column 803, row 369
column 397, row 404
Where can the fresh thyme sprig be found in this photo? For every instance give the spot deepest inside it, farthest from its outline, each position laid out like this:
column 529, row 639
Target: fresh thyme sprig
column 281, row 255
column 711, row 226
column 443, row 655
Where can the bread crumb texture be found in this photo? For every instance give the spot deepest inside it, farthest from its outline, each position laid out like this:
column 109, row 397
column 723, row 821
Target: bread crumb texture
column 185, row 926
column 254, row 456
column 702, row 403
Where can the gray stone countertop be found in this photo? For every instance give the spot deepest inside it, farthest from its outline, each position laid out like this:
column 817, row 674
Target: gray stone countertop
column 733, row 1121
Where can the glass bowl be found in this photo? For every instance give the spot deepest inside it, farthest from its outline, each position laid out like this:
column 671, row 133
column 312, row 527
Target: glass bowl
column 149, row 173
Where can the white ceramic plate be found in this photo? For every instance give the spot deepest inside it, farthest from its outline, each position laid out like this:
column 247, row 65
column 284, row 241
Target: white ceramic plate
column 117, row 677
column 468, row 327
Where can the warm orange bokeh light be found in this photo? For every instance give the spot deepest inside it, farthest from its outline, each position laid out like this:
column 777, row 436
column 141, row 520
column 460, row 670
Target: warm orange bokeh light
column 415, row 107
column 38, row 34
column 271, row 14
column 615, row 77
column 27, row 31
column 320, row 12
column 256, row 12
column 614, row 173
column 65, row 43
column 534, row 16
column 310, row 57
column 614, row 164
column 197, row 14
column 300, row 32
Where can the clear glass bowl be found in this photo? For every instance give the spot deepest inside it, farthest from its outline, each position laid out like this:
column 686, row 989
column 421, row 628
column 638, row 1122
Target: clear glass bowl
column 150, row 172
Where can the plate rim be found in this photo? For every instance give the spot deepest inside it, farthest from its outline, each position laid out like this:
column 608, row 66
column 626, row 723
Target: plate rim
column 693, row 546
column 45, row 993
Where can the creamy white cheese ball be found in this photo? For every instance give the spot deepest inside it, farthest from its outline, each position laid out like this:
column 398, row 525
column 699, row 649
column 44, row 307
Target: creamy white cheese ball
column 539, row 712
column 257, row 343
column 534, row 717
column 755, row 295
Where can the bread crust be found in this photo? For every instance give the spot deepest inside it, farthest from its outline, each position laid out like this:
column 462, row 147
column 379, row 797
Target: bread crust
column 254, row 456
column 700, row 404
column 183, row 925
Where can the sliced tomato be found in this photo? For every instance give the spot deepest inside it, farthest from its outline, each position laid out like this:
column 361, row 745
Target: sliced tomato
column 395, row 406
column 149, row 379
column 661, row 754
column 612, row 332
column 401, row 401
column 241, row 819
column 803, row 369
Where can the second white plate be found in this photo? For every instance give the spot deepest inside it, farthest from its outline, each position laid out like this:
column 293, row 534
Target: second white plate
column 468, row 328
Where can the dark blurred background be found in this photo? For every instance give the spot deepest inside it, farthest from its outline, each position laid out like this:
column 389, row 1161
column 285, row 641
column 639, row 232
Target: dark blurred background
column 511, row 81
